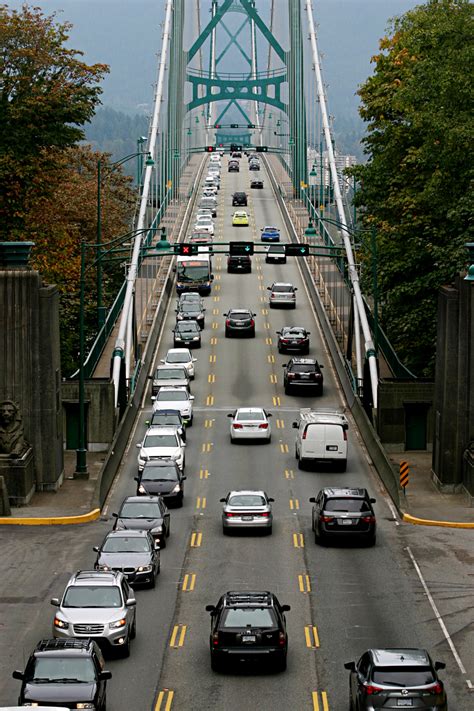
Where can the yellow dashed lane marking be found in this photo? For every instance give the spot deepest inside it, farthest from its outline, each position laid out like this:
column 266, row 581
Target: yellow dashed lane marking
column 268, row 341
column 262, row 298
column 178, row 635
column 217, row 287
column 273, row 378
column 261, row 288
column 215, row 325
column 212, row 358
column 210, row 400
column 264, row 312
column 276, row 401
column 196, row 539
column 266, row 325
column 208, row 424
column 311, row 636
column 271, row 358
column 201, row 502
column 217, row 277
column 324, row 701
column 304, row 583
column 213, row 341
column 203, row 474
column 289, row 474
column 298, row 540
column 260, row 277
column 211, row 378
column 216, row 298
column 206, row 447
column 284, row 448
column 164, row 700
column 189, row 582
column 294, row 504
column 280, row 424
column 215, row 312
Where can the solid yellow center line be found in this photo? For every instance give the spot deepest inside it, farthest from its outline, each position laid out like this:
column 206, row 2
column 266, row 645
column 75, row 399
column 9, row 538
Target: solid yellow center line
column 164, row 694
column 189, row 582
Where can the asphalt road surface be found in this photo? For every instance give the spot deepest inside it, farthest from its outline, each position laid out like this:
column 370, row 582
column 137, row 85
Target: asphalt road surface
column 344, row 599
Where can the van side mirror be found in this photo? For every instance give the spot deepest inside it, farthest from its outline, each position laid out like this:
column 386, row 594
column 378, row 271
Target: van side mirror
column 439, row 665
column 373, row 501
column 105, row 675
column 285, row 608
column 294, row 425
column 350, row 665
column 312, row 499
column 55, row 600
column 96, row 549
column 210, row 608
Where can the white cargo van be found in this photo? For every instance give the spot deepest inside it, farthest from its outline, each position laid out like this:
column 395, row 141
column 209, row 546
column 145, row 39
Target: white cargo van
column 321, row 437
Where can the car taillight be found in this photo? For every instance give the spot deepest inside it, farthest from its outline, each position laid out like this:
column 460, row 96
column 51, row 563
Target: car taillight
column 229, row 515
column 264, row 426
column 304, row 434
column 285, row 340
column 326, row 519
column 252, row 322
column 236, row 427
column 368, row 519
column 215, row 639
column 281, row 639
column 436, row 688
column 290, row 376
column 227, row 322
column 371, row 689
column 265, row 514
column 344, row 434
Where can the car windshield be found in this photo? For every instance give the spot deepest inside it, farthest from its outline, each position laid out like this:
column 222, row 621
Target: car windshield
column 122, row 544
column 248, row 616
column 160, row 440
column 282, row 288
column 294, row 332
column 277, row 249
column 270, row 229
column 64, row 669
column 187, row 326
column 354, row 505
column 190, row 306
column 247, row 500
column 162, row 420
column 171, row 374
column 136, row 509
column 171, row 396
column 183, row 357
column 250, row 415
column 159, row 474
column 408, row 676
column 92, row 596
column 239, row 314
column 303, row 368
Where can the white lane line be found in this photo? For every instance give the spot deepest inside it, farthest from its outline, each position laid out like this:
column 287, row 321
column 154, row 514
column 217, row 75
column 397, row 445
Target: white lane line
column 437, row 614
column 392, row 508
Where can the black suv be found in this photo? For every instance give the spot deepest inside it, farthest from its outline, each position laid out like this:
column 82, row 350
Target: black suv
column 245, row 625
column 394, row 678
column 341, row 512
column 239, row 198
column 64, row 672
column 162, row 477
column 303, row 374
column 239, row 263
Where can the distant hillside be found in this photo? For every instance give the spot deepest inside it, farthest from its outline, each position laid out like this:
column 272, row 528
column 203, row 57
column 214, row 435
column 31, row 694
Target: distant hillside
column 116, row 132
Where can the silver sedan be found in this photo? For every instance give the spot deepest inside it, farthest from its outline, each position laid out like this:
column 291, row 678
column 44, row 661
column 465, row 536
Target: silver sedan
column 247, row 509
column 250, row 423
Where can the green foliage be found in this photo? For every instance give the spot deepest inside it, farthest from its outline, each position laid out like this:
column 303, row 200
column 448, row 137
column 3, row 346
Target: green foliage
column 47, row 93
column 416, row 187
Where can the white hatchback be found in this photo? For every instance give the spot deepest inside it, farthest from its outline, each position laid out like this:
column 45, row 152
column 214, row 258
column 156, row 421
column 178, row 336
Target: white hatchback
column 170, row 398
column 250, row 423
column 204, row 223
column 178, row 357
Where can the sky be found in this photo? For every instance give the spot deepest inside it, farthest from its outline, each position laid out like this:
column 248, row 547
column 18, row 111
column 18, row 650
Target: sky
column 126, row 35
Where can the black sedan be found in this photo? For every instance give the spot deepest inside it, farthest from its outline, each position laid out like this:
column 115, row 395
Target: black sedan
column 187, row 333
column 162, row 477
column 240, row 322
column 144, row 513
column 133, row 552
column 293, row 338
column 191, row 311
column 256, row 184
column 342, row 512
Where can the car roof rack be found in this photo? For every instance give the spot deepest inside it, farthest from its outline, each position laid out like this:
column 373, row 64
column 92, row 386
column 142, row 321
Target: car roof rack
column 47, row 645
column 248, row 598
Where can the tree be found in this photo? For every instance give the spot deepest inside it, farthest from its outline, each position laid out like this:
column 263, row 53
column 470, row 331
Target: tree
column 416, row 187
column 47, row 94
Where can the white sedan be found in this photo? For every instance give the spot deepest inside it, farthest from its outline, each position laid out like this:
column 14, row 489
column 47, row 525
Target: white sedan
column 250, row 423
column 175, row 398
column 204, row 224
column 177, row 357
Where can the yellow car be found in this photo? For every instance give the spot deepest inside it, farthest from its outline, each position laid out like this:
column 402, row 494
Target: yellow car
column 240, row 219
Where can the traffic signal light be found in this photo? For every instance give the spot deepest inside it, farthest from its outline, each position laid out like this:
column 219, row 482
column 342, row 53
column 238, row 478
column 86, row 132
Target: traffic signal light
column 234, row 125
column 209, row 149
column 297, row 250
column 261, row 149
column 240, row 248
column 250, row 125
column 185, row 250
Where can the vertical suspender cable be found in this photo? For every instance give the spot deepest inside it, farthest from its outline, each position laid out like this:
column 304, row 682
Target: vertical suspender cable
column 127, row 309
column 354, row 277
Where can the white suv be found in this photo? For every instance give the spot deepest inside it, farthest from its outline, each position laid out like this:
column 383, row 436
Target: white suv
column 161, row 443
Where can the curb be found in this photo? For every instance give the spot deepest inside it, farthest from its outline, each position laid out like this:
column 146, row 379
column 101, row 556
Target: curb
column 428, row 522
column 51, row 520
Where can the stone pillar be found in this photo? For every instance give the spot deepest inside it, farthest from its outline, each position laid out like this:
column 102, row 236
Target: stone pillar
column 30, row 372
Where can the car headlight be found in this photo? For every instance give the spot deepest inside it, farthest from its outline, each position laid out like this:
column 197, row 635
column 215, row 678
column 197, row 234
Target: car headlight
column 142, row 489
column 176, row 489
column 118, row 623
column 85, row 705
column 145, row 568
column 195, row 338
column 102, row 567
column 143, row 456
column 60, row 624
column 157, row 529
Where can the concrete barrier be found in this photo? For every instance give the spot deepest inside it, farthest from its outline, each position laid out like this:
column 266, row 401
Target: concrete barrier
column 4, row 502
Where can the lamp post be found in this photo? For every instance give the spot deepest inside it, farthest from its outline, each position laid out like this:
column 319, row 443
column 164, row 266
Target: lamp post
column 162, row 248
column 149, row 161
